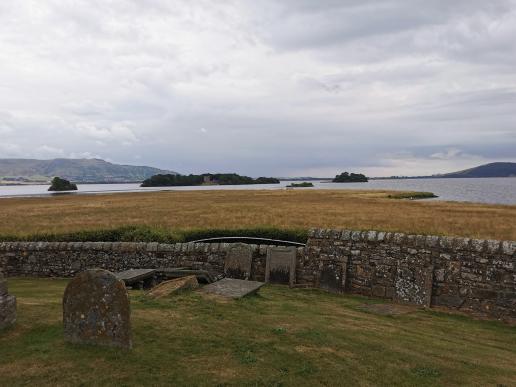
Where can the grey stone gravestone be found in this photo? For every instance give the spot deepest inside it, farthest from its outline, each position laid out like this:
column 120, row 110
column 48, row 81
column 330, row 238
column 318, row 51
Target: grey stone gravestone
column 280, row 267
column 238, row 262
column 7, row 305
column 96, row 310
column 333, row 275
column 330, row 278
column 413, row 284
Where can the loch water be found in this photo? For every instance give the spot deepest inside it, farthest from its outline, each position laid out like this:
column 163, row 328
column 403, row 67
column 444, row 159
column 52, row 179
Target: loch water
column 481, row 190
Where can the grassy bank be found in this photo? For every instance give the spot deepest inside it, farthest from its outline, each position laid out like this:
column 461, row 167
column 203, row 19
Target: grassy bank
column 280, row 337
column 181, row 211
column 139, row 233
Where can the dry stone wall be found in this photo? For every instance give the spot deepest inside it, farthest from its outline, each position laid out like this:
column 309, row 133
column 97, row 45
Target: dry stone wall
column 66, row 259
column 466, row 274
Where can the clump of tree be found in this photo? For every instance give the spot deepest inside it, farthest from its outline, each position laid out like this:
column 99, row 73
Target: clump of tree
column 305, row 184
column 266, row 180
column 346, row 177
column 170, row 180
column 59, row 184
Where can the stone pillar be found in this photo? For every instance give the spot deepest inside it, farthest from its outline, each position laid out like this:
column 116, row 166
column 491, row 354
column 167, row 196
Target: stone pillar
column 7, row 305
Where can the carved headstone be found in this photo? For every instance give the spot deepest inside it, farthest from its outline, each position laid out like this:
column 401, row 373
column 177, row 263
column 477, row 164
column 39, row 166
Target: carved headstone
column 280, row 267
column 413, row 284
column 96, row 310
column 7, row 305
column 238, row 261
column 331, row 278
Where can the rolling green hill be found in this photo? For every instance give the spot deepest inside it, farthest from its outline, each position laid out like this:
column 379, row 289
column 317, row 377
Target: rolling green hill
column 76, row 170
column 486, row 170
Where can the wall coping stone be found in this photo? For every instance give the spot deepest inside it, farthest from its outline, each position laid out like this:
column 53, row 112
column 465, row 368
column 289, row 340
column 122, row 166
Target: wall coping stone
column 491, row 246
column 505, row 247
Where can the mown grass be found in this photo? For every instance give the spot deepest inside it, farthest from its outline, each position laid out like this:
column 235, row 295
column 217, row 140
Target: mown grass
column 282, row 336
column 180, row 211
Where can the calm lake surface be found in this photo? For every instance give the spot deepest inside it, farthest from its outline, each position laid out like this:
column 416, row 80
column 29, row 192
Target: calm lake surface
column 484, row 190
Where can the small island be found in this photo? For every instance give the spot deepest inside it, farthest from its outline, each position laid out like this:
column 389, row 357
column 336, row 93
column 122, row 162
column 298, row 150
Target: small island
column 300, row 185
column 346, row 177
column 413, row 195
column 170, row 180
column 59, row 184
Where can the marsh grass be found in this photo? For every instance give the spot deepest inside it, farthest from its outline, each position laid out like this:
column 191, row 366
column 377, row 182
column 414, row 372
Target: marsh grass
column 282, row 336
column 412, row 195
column 177, row 212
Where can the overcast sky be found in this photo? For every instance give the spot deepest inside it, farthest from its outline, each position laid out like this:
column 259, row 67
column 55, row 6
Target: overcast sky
column 268, row 87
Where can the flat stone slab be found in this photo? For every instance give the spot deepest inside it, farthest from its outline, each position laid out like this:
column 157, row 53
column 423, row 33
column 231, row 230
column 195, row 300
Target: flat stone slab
column 232, row 288
column 135, row 275
column 174, row 286
column 172, row 272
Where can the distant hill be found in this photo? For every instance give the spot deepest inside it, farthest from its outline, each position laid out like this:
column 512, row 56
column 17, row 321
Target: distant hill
column 487, row 170
column 76, row 170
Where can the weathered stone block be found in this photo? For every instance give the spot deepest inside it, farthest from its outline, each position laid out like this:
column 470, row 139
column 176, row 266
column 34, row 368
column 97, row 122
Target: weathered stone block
column 484, row 294
column 378, row 291
column 508, row 248
column 493, row 246
column 7, row 305
column 439, row 275
column 432, row 241
column 413, row 284
column 448, row 300
column 471, row 276
column 371, row 236
column 3, row 286
column 332, row 277
column 174, row 286
column 355, row 235
column 96, row 310
column 281, row 265
column 238, row 261
column 478, row 245
column 7, row 311
column 346, row 235
column 380, row 236
column 461, row 243
column 399, row 238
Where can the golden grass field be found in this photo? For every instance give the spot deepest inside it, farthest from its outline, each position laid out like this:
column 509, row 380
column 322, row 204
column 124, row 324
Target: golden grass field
column 361, row 210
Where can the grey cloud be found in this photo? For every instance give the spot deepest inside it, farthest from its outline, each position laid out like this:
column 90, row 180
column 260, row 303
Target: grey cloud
column 262, row 88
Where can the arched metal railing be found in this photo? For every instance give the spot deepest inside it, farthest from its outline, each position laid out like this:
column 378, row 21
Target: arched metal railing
column 254, row 240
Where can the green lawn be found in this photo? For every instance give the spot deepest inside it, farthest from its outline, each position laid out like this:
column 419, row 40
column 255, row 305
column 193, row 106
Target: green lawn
column 279, row 337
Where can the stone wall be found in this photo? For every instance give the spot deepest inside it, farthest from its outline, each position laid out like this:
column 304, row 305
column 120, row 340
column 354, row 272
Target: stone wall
column 66, row 259
column 466, row 274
